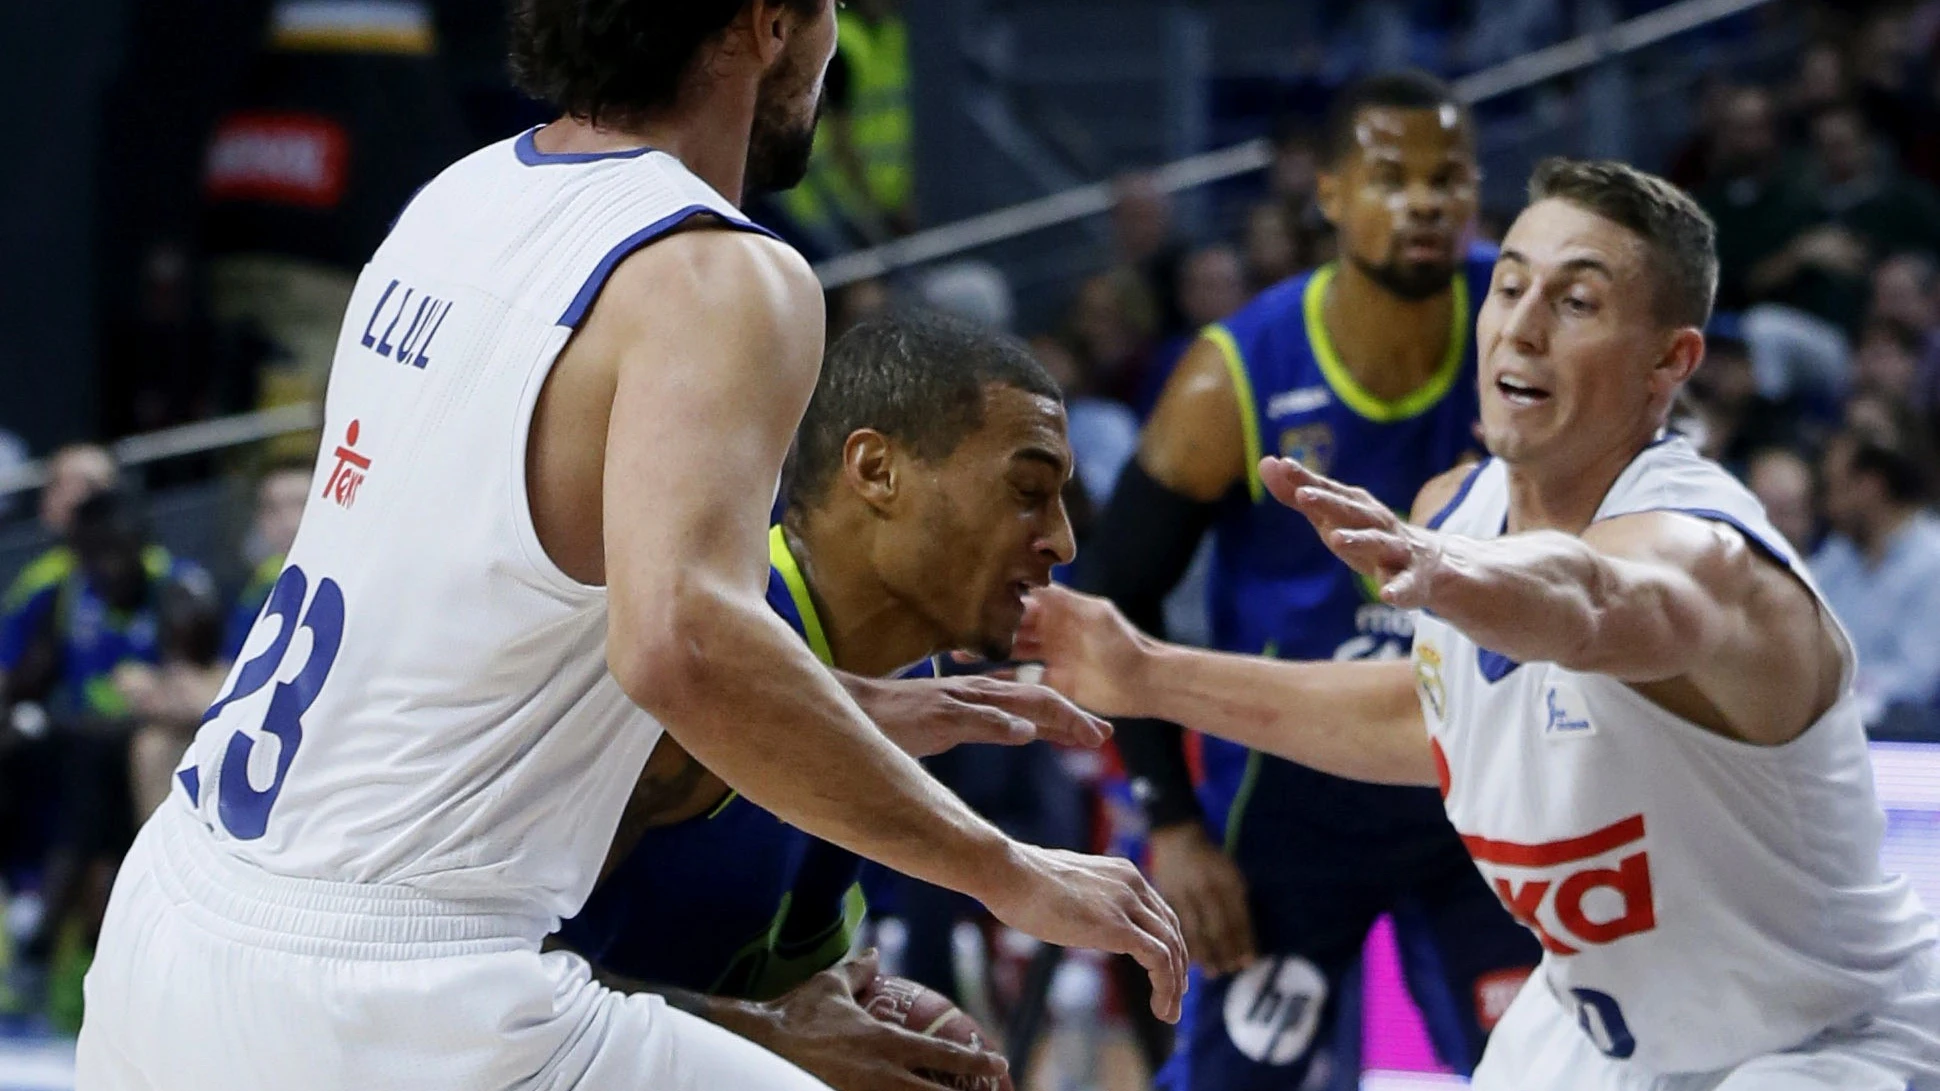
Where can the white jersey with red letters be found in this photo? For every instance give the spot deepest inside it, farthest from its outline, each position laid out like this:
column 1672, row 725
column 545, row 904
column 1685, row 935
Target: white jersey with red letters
column 1702, row 901
column 425, row 701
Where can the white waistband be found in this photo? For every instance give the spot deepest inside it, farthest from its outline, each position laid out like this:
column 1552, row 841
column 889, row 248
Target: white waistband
column 243, row 902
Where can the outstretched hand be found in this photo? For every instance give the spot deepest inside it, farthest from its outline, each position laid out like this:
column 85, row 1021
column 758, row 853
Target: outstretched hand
column 929, row 716
column 1375, row 542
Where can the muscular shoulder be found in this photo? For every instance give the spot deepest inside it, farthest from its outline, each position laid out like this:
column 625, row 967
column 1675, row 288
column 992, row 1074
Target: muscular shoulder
column 746, row 273
column 1194, row 443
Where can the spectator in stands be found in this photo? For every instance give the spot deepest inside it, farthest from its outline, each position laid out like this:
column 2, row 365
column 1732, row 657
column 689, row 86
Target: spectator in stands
column 1904, row 296
column 64, row 654
column 1753, row 195
column 1861, row 207
column 1882, row 66
column 280, row 497
column 1692, row 163
column 1880, row 568
column 1211, row 286
column 1271, row 252
column 1821, row 82
column 1887, row 363
column 1736, row 419
column 1146, row 255
column 74, row 473
column 1783, row 482
column 1110, row 328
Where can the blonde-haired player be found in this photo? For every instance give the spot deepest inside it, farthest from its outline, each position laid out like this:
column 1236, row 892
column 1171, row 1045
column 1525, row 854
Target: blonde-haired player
column 1638, row 708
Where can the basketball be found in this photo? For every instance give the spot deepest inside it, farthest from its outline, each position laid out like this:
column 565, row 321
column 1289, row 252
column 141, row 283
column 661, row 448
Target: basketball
column 916, row 1007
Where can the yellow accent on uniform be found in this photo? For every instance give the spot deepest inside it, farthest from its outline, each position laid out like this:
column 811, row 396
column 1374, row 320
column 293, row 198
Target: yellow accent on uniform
column 1249, row 413
column 1349, row 390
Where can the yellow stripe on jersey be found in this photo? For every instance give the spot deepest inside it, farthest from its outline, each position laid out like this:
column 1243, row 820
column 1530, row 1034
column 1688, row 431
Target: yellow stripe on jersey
column 1249, row 414
column 1349, row 390
column 791, row 574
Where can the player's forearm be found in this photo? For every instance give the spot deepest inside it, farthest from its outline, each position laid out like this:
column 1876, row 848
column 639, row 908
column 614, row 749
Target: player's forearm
column 1356, row 720
column 1550, row 597
column 746, row 699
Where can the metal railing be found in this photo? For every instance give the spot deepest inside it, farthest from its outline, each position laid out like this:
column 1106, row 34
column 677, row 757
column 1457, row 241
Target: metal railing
column 998, row 226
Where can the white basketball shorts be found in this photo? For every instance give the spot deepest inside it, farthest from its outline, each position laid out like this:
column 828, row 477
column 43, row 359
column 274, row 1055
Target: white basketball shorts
column 212, row 975
column 1539, row 1047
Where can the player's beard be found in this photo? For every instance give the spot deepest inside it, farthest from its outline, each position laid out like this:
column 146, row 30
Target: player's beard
column 779, row 146
column 1413, row 281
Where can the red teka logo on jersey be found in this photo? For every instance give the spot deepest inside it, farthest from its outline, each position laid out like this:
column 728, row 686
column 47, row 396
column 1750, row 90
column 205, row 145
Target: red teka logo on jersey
column 1568, row 905
column 351, row 470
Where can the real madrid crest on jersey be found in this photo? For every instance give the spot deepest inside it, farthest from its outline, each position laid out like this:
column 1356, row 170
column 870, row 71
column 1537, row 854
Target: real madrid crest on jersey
column 1428, row 675
column 1311, row 445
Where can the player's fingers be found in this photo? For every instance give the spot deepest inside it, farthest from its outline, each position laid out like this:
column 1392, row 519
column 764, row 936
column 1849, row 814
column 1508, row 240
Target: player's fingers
column 918, row 1051
column 1162, row 952
column 858, row 972
column 1055, row 718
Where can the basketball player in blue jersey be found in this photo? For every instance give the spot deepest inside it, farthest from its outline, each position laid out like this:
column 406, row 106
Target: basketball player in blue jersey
column 924, row 489
column 1363, row 370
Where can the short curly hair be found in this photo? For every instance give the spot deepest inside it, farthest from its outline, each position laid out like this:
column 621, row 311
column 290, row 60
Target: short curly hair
column 612, row 62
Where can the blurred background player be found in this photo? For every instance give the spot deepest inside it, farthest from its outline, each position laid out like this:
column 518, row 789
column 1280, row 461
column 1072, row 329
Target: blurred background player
column 1363, row 369
column 280, row 497
column 924, row 486
column 72, row 650
column 74, row 473
column 1637, row 706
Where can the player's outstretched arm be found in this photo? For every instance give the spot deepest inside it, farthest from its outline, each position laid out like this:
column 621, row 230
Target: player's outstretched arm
column 719, row 339
column 1649, row 598
column 1353, row 719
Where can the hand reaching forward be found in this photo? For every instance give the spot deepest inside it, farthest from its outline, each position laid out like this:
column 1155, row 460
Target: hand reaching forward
column 1402, row 560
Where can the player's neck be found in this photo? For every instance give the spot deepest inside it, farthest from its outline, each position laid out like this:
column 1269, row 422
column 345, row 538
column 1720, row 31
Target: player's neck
column 870, row 631
column 1555, row 495
column 1392, row 346
column 709, row 138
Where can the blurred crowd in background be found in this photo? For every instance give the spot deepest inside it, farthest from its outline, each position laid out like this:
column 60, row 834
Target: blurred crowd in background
column 276, row 142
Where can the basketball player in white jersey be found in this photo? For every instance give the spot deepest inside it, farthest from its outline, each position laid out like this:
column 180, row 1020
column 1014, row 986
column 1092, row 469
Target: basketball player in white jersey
column 1638, row 709
column 556, row 418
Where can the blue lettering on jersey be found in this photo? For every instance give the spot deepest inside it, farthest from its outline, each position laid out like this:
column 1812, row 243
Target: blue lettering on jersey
column 242, row 807
column 419, row 325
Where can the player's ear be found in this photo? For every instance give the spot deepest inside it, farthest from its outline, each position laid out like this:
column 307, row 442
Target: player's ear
column 769, row 28
column 1682, row 355
column 871, row 468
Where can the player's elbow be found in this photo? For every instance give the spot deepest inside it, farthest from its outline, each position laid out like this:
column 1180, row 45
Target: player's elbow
column 665, row 656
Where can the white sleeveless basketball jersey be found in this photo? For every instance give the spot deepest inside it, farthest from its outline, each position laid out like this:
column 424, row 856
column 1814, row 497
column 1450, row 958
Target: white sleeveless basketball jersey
column 1701, row 900
column 425, row 700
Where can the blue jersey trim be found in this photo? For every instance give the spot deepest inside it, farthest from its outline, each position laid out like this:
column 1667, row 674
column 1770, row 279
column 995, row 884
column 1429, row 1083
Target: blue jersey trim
column 588, row 292
column 191, row 779
column 1461, row 494
column 1494, row 665
column 528, row 152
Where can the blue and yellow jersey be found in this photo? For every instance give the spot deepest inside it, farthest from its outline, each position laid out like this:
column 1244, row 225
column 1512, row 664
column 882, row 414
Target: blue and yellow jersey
column 738, row 902
column 93, row 638
column 1275, row 589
